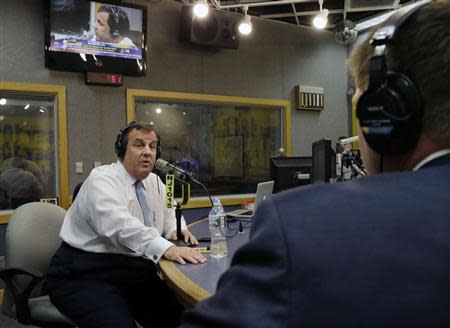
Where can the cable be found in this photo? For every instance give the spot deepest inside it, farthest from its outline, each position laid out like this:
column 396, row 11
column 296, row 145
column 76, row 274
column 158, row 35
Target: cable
column 204, row 188
column 175, row 165
column 381, row 162
column 356, row 166
column 238, row 229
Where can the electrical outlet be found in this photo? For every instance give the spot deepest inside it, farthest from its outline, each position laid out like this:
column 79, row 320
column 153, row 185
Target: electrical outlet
column 78, row 167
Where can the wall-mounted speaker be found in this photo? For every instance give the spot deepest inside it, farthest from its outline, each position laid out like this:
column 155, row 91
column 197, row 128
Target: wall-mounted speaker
column 217, row 30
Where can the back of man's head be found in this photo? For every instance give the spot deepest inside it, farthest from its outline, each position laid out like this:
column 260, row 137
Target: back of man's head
column 420, row 50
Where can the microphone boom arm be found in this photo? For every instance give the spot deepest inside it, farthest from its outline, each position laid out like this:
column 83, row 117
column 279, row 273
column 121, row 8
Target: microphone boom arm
column 185, row 177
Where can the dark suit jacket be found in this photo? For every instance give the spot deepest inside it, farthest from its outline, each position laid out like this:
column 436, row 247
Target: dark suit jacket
column 374, row 252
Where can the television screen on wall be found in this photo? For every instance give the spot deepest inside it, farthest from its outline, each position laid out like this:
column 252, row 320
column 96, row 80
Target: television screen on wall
column 96, row 36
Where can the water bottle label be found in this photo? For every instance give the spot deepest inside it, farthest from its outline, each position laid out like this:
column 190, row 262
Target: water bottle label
column 214, row 221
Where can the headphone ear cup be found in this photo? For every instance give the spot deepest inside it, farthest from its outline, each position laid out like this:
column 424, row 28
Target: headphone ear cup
column 408, row 112
column 372, row 120
column 118, row 146
column 114, row 22
column 390, row 115
column 406, row 96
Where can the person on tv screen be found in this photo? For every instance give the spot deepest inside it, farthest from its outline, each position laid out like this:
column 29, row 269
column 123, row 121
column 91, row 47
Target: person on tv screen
column 111, row 25
column 375, row 251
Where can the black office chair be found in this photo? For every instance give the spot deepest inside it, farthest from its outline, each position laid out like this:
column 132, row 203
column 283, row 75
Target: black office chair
column 76, row 190
column 32, row 238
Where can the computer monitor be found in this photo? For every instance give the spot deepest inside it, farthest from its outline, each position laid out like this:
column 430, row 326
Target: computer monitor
column 288, row 172
column 323, row 161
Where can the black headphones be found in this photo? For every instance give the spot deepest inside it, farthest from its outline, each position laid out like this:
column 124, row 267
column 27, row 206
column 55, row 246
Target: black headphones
column 113, row 22
column 120, row 146
column 390, row 111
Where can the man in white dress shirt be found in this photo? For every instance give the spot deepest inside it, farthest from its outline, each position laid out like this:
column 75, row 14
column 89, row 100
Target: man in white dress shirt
column 104, row 274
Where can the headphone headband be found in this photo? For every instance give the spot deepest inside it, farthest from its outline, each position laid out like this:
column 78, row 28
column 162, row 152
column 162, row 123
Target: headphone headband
column 385, row 33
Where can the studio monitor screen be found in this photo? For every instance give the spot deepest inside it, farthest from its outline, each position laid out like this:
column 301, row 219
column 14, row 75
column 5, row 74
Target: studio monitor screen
column 96, row 36
column 289, row 172
column 324, row 161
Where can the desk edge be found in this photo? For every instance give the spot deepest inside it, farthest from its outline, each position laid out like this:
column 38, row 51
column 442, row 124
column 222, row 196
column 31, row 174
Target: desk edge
column 188, row 290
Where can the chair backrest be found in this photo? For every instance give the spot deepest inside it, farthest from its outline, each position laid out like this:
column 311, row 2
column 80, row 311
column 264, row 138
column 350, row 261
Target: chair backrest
column 32, row 238
column 76, row 190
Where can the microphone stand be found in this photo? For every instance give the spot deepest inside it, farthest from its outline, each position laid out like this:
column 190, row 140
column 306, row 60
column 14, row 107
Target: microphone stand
column 178, row 210
column 185, row 198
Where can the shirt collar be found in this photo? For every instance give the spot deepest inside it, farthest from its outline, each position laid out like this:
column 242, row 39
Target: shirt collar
column 130, row 179
column 431, row 157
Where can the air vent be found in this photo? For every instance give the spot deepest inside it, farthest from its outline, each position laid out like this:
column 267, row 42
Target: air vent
column 368, row 4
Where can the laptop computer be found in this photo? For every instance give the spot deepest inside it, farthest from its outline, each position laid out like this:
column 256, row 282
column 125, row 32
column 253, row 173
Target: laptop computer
column 263, row 190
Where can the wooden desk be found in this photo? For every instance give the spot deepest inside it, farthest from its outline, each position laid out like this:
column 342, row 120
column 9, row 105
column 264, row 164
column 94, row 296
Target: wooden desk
column 195, row 282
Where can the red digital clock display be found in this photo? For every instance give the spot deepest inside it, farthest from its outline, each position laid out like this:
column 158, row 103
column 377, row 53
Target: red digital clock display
column 104, row 79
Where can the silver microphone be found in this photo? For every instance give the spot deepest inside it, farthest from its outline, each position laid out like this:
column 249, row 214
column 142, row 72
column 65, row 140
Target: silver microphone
column 349, row 140
column 179, row 173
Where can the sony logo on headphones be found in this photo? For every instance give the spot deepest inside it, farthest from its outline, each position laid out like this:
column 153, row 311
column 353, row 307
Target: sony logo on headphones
column 377, row 108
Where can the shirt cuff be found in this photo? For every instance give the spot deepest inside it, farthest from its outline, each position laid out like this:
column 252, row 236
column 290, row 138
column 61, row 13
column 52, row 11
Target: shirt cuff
column 156, row 249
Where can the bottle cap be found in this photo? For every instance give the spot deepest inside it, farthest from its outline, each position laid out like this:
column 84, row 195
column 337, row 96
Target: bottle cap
column 216, row 201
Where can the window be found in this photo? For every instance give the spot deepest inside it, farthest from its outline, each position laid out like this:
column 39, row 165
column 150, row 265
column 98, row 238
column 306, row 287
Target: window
column 225, row 141
column 33, row 151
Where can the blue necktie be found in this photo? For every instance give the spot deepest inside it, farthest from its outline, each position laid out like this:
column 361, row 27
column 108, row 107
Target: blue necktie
column 142, row 202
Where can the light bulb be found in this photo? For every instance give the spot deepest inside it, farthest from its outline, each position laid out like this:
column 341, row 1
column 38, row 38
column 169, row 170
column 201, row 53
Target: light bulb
column 201, row 9
column 321, row 19
column 245, row 27
column 3, row 101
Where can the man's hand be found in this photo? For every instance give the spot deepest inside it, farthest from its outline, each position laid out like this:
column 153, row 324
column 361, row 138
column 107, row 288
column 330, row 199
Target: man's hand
column 183, row 254
column 188, row 237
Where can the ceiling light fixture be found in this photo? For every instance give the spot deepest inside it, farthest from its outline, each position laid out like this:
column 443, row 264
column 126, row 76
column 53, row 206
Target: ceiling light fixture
column 201, row 8
column 245, row 27
column 321, row 19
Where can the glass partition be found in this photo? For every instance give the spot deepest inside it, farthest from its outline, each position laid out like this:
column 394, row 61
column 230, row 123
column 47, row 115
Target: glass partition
column 33, row 155
column 225, row 141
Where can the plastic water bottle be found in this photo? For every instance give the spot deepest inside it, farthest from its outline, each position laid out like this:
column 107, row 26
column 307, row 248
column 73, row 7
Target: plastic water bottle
column 217, row 228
